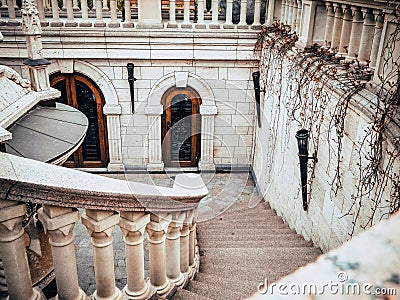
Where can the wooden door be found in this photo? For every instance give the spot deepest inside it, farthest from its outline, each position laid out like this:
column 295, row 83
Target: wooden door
column 181, row 128
column 81, row 93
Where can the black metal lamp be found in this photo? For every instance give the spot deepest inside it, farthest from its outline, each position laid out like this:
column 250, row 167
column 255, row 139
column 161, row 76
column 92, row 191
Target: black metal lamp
column 257, row 91
column 131, row 80
column 302, row 144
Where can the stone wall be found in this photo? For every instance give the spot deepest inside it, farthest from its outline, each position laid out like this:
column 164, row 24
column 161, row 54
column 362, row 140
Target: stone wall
column 330, row 216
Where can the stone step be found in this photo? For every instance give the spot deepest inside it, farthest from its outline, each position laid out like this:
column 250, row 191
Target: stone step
column 252, row 234
column 212, row 290
column 242, row 238
column 245, row 207
column 241, row 224
column 289, row 241
column 182, row 294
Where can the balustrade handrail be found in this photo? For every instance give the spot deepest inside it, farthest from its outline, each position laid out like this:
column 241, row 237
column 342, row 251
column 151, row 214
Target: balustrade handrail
column 26, row 180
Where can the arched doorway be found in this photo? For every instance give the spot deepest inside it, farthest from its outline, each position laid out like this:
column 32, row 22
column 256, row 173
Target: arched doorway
column 180, row 129
column 80, row 92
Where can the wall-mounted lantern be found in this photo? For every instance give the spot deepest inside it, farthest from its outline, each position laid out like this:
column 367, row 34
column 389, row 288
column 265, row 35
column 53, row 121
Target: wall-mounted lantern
column 302, row 143
column 257, row 91
column 131, row 80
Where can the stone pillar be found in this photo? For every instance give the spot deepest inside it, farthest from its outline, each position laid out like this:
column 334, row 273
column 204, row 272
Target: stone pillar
column 290, row 13
column 173, row 252
column 59, row 222
column 75, row 5
column 200, row 15
column 186, row 15
column 346, row 30
column 114, row 136
column 42, row 18
column 283, row 11
column 133, row 225
column 337, row 26
column 257, row 15
column 149, row 14
column 128, row 15
column 12, row 20
column 192, row 245
column 155, row 150
column 286, row 15
column 85, row 15
column 99, row 14
column 367, row 36
column 356, row 31
column 172, row 18
column 294, row 18
column 270, row 13
column 13, row 253
column 243, row 15
column 156, row 230
column 228, row 21
column 208, row 113
column 185, row 248
column 299, row 21
column 70, row 15
column 113, row 9
column 105, row 6
column 330, row 19
column 377, row 37
column 214, row 17
column 56, row 14
column 100, row 225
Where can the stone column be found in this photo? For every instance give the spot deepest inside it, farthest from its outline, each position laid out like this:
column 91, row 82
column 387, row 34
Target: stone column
column 208, row 113
column 172, row 19
column 59, row 222
column 283, row 11
column 13, row 253
column 40, row 7
column 156, row 230
column 200, row 15
column 356, row 31
column 70, row 15
column 128, row 15
column 12, row 20
column 192, row 245
column 270, row 13
column 330, row 19
column 100, row 225
column 290, row 13
column 105, row 6
column 257, row 15
column 214, row 17
column 377, row 37
column 173, row 253
column 299, row 21
column 185, row 248
column 85, row 15
column 294, row 18
column 186, row 15
column 113, row 9
column 133, row 225
column 114, row 136
column 367, row 36
column 99, row 14
column 228, row 21
column 56, row 14
column 243, row 15
column 287, row 6
column 346, row 30
column 337, row 26
column 155, row 150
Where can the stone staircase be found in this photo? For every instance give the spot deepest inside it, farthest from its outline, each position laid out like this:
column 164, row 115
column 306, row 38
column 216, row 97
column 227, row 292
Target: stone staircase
column 240, row 248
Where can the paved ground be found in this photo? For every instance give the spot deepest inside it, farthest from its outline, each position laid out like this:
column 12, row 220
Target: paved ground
column 224, row 190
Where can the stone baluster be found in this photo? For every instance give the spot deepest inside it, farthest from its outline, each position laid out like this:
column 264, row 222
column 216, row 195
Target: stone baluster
column 156, row 230
column 12, row 20
column 270, row 13
column 75, row 5
column 295, row 21
column 290, row 13
column 42, row 18
column 192, row 247
column 13, row 253
column 257, row 15
column 337, row 26
column 173, row 250
column 283, row 11
column 99, row 15
column 299, row 10
column 59, row 223
column 2, row 22
column 70, row 15
column 172, row 14
column 356, row 31
column 85, row 15
column 185, row 244
column 287, row 8
column 128, row 15
column 64, row 5
column 228, row 21
column 243, row 15
column 214, row 17
column 330, row 19
column 105, row 6
column 133, row 225
column 346, row 30
column 186, row 15
column 200, row 14
column 367, row 36
column 100, row 225
column 56, row 14
column 377, row 37
column 113, row 10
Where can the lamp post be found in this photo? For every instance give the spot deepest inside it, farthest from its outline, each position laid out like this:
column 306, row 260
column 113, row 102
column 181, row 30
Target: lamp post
column 257, row 91
column 131, row 80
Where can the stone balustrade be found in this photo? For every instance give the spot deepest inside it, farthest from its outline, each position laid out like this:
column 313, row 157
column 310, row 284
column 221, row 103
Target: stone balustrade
column 167, row 214
column 185, row 14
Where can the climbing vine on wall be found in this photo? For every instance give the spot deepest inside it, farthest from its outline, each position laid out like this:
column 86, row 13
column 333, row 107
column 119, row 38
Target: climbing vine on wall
column 315, row 88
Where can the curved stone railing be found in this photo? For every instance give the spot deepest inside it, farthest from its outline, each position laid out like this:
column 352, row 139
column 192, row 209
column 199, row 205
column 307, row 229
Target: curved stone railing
column 167, row 214
column 227, row 14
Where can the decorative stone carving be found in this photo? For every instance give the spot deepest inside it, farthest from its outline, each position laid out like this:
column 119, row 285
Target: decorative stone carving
column 14, row 76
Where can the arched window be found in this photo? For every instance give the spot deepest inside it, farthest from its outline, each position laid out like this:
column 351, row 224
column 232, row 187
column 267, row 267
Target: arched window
column 80, row 92
column 181, row 128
